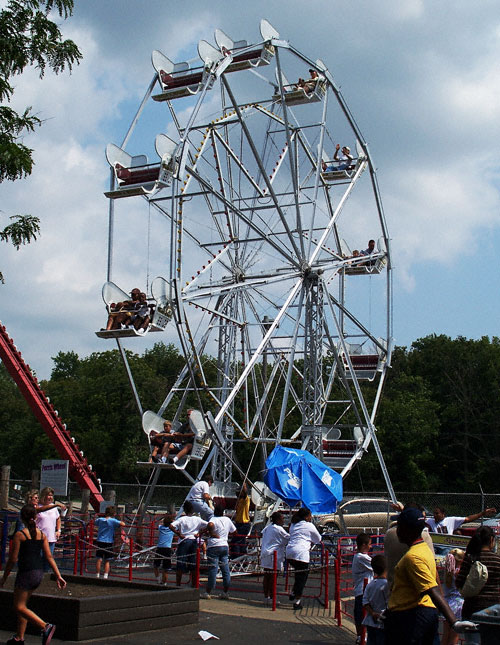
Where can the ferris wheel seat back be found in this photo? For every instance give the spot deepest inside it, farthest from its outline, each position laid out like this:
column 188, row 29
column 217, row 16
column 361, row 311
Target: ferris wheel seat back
column 179, row 79
column 152, row 422
column 267, row 31
column 163, row 312
column 202, row 440
column 364, row 364
column 249, row 56
column 134, row 175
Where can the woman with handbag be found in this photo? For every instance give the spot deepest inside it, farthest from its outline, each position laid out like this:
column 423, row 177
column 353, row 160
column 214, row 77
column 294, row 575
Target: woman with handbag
column 480, row 550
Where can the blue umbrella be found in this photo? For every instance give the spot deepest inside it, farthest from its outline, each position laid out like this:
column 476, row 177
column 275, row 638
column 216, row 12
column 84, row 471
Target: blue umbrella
column 297, row 476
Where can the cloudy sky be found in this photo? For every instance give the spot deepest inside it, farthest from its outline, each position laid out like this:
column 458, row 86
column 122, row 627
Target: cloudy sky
column 421, row 79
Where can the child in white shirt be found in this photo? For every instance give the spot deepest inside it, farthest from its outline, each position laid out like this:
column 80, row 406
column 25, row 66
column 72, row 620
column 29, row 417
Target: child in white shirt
column 274, row 538
column 361, row 569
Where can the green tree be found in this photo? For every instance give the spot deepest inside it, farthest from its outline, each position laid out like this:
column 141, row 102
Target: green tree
column 408, row 432
column 463, row 376
column 28, row 37
column 22, row 440
column 21, row 230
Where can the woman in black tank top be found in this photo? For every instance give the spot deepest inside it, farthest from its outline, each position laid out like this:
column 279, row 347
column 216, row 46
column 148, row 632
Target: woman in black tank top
column 27, row 549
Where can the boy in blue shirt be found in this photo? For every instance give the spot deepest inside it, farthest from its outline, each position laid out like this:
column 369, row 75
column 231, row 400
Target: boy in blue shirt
column 106, row 527
column 164, row 549
column 375, row 600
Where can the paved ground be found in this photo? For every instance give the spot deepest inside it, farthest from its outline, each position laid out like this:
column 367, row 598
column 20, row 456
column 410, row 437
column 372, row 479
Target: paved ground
column 241, row 621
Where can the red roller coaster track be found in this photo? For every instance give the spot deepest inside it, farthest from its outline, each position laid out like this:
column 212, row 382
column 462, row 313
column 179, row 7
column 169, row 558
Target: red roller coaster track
column 79, row 469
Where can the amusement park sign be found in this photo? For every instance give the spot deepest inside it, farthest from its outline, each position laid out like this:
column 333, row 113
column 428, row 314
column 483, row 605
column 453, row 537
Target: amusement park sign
column 54, row 473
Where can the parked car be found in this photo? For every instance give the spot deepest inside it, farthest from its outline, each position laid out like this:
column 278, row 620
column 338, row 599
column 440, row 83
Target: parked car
column 469, row 528
column 366, row 514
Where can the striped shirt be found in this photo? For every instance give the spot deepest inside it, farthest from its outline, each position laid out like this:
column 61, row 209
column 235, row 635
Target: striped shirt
column 490, row 593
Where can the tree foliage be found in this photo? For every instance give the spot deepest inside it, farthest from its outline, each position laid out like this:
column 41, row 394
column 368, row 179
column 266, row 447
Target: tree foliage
column 21, row 230
column 438, row 421
column 28, row 37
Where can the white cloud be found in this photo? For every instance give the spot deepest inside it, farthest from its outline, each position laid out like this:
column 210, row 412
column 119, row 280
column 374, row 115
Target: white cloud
column 422, row 84
column 439, row 214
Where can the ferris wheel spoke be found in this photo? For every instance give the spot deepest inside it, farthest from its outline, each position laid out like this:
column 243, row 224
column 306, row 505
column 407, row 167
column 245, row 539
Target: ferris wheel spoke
column 293, row 293
column 264, row 175
column 263, row 235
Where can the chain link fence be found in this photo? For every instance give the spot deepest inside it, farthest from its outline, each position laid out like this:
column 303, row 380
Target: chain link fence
column 457, row 504
column 166, row 497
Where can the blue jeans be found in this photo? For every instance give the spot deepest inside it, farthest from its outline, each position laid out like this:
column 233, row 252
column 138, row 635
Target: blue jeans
column 218, row 557
column 201, row 507
column 46, row 565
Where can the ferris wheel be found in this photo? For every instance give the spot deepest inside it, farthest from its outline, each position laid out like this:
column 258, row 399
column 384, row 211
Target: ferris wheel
column 270, row 249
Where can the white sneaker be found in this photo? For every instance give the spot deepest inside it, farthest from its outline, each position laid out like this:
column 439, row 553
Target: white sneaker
column 224, row 595
column 205, row 595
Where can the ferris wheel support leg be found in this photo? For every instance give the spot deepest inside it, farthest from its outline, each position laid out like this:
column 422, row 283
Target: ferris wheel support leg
column 129, row 376
column 291, row 361
column 192, row 354
column 111, row 227
column 219, row 440
column 368, row 421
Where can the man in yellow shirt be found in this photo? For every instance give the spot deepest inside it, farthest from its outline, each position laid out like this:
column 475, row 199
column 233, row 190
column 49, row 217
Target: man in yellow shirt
column 242, row 522
column 412, row 615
